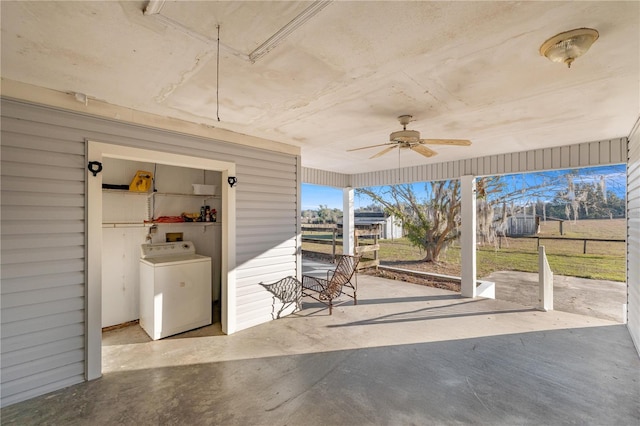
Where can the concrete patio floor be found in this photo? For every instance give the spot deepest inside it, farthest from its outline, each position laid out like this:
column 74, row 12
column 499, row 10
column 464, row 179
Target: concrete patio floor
column 596, row 298
column 406, row 354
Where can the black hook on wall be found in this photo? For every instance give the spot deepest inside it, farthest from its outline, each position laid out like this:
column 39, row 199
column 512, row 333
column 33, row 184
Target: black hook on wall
column 232, row 181
column 95, row 167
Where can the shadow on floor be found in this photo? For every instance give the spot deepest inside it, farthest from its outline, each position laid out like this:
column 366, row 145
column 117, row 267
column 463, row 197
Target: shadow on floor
column 578, row 376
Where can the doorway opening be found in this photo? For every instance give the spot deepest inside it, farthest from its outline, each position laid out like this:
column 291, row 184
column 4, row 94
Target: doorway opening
column 210, row 169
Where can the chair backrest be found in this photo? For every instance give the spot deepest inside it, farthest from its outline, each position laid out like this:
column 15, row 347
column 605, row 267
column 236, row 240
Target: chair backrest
column 345, row 269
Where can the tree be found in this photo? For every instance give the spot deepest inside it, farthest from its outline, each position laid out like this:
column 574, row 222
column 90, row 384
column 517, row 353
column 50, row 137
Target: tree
column 371, row 208
column 327, row 215
column 430, row 224
column 308, row 215
column 585, row 200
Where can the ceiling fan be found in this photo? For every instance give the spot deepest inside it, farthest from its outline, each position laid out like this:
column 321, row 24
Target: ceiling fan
column 410, row 139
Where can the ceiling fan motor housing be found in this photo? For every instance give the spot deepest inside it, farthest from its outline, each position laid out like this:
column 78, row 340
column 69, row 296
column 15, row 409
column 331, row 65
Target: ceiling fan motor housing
column 410, row 136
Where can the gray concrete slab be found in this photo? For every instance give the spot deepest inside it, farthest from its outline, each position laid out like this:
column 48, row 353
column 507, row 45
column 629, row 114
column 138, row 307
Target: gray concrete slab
column 598, row 298
column 406, row 354
column 316, row 269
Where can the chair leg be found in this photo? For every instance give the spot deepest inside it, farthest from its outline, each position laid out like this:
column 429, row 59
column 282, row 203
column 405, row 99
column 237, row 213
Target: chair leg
column 355, row 299
column 330, row 306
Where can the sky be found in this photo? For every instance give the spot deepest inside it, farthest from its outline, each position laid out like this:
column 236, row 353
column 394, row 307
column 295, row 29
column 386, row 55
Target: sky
column 615, row 177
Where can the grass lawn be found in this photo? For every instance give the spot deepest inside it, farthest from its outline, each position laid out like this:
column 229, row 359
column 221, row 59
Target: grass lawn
column 603, row 260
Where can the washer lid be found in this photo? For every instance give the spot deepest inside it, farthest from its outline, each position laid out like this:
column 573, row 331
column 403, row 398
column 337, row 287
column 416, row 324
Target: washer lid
column 178, row 248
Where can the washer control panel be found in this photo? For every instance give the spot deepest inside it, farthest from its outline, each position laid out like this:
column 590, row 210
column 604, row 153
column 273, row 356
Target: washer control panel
column 178, row 248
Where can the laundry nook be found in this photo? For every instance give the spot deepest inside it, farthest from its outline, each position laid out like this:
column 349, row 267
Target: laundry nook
column 161, row 246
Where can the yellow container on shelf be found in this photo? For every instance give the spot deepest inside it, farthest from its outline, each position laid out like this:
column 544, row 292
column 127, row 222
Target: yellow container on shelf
column 141, row 181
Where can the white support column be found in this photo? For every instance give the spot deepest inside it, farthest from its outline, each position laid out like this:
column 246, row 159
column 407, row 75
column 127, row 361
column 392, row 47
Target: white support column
column 468, row 235
column 545, row 282
column 348, row 222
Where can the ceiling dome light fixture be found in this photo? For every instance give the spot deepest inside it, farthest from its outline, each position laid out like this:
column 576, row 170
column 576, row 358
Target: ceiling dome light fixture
column 569, row 45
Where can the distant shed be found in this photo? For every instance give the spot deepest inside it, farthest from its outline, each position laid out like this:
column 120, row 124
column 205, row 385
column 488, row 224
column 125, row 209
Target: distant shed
column 390, row 227
column 520, row 225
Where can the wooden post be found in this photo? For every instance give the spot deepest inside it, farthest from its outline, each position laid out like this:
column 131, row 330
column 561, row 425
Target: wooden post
column 356, row 243
column 375, row 242
column 333, row 240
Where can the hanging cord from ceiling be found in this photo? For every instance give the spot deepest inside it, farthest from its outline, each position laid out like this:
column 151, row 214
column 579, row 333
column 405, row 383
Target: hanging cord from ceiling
column 399, row 164
column 218, row 76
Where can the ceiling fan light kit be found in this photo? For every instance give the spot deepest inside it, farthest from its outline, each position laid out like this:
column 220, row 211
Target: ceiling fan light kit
column 405, row 136
column 569, row 45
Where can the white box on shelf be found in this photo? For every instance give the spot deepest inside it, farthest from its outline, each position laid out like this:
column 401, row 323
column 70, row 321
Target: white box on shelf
column 199, row 189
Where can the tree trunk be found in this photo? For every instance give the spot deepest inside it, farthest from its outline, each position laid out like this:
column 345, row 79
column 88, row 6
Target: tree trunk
column 432, row 255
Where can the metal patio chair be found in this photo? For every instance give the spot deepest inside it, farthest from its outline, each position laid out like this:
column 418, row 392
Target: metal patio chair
column 343, row 277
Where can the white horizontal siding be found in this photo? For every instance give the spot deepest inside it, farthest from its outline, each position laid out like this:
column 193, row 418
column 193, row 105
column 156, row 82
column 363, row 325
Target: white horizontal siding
column 43, row 282
column 633, row 235
column 37, row 366
column 41, row 254
column 267, row 242
column 42, row 171
column 53, row 213
column 38, row 200
column 43, row 232
column 42, row 260
column 40, row 323
column 30, row 297
column 271, row 213
column 580, row 155
column 34, row 353
column 286, row 249
column 260, row 239
column 260, row 170
column 277, row 196
column 325, row 178
column 264, row 246
column 31, row 156
column 31, row 385
column 40, row 269
column 266, row 266
column 36, row 310
column 260, row 232
column 17, row 345
column 245, row 277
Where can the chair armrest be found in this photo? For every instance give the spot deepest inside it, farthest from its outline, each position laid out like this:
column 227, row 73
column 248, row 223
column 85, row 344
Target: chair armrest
column 314, row 283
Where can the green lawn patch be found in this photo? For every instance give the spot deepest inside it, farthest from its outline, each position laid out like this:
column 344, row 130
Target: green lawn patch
column 606, row 261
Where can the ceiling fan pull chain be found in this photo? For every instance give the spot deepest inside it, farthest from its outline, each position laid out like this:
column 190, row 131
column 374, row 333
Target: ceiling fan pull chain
column 399, row 165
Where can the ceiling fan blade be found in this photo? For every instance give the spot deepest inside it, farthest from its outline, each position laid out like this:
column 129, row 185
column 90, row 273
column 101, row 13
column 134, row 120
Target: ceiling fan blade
column 384, row 151
column 421, row 149
column 457, row 142
column 367, row 147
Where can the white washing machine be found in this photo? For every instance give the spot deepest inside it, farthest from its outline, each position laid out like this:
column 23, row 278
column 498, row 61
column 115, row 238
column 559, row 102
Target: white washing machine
column 175, row 289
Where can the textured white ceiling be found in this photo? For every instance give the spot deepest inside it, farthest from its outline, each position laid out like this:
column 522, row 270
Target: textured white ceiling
column 466, row 70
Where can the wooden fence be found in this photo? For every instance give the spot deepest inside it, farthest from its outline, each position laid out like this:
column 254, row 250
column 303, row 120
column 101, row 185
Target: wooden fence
column 365, row 249
column 365, row 242
column 584, row 246
column 321, row 228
